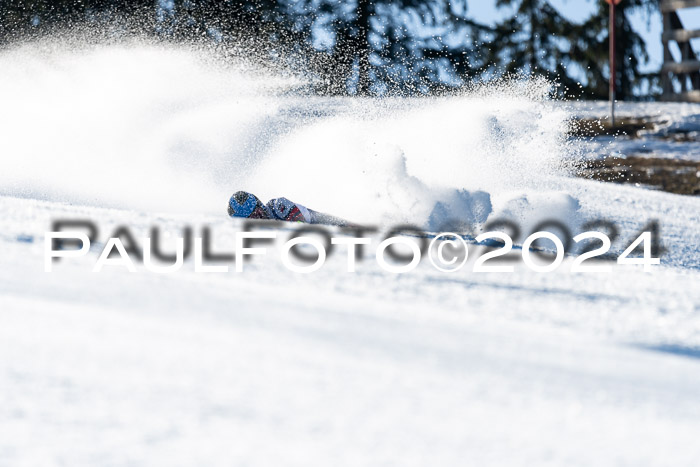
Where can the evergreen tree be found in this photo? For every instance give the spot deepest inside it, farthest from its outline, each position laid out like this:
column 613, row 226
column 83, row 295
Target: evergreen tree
column 590, row 45
column 371, row 46
column 426, row 46
column 397, row 46
column 533, row 41
column 377, row 47
column 539, row 40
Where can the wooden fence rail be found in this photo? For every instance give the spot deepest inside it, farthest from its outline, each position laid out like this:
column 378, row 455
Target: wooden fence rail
column 680, row 80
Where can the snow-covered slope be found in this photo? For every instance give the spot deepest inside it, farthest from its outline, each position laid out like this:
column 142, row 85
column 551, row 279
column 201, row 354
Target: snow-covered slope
column 674, row 134
column 268, row 367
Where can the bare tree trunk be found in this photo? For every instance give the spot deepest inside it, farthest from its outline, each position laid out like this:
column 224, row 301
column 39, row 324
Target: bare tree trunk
column 532, row 48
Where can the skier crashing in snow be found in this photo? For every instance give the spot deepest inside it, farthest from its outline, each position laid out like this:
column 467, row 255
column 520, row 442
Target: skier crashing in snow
column 247, row 205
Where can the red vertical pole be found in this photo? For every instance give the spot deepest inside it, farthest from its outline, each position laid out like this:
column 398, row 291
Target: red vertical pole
column 612, row 63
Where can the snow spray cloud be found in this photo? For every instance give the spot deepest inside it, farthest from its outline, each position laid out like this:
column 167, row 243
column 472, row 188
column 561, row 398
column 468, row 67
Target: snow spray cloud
column 166, row 128
column 131, row 126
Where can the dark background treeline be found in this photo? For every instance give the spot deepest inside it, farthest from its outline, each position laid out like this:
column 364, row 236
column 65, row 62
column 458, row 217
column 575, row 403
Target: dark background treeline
column 377, row 47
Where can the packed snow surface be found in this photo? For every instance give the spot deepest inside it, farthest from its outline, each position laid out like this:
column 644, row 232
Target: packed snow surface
column 268, row 367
